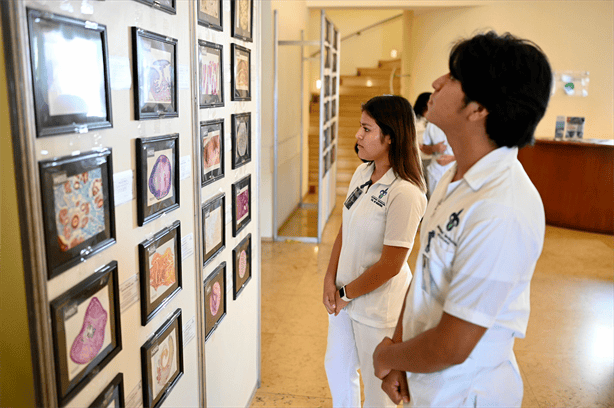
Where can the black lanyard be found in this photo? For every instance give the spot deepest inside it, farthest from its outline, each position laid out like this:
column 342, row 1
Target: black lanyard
column 355, row 194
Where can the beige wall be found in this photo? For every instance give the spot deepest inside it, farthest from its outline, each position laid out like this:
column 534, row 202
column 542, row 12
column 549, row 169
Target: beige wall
column 293, row 17
column 16, row 377
column 365, row 50
column 575, row 35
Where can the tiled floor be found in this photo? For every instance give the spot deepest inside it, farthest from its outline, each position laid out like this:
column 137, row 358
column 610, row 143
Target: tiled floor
column 566, row 359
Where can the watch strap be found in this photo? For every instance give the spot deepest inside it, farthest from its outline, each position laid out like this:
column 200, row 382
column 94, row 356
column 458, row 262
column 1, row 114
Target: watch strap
column 343, row 294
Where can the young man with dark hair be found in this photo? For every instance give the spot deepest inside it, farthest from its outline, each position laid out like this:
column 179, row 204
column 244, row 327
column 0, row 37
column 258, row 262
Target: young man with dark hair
column 481, row 235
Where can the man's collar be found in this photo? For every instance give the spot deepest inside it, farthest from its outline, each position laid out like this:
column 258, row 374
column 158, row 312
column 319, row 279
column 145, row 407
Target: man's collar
column 490, row 166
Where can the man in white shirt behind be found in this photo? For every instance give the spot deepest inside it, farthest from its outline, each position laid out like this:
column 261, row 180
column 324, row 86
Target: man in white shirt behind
column 435, row 143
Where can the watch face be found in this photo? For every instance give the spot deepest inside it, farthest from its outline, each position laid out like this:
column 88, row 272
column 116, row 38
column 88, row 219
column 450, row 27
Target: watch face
column 342, row 292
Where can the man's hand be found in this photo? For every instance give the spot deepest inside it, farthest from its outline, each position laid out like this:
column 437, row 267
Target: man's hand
column 395, row 385
column 439, row 147
column 329, row 296
column 339, row 302
column 380, row 371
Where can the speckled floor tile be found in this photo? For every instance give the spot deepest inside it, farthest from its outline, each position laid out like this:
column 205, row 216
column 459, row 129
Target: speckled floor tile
column 265, row 399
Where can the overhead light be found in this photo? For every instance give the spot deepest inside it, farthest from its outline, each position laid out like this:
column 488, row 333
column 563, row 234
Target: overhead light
column 369, row 82
column 393, row 53
column 319, row 83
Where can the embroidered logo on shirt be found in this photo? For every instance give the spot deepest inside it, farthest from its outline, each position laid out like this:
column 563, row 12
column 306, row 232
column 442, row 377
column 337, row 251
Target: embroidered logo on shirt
column 378, row 200
column 454, row 220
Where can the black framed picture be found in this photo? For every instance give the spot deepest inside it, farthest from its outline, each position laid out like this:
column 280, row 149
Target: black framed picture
column 210, row 14
column 241, row 139
column 210, row 64
column 241, row 204
column 333, row 154
column 112, row 395
column 326, row 112
column 214, row 227
column 326, row 30
column 212, row 145
column 333, row 130
column 164, row 5
column 155, row 75
column 157, row 176
column 215, row 299
column 327, row 57
column 86, row 330
column 160, row 270
column 335, row 38
column 333, row 107
column 241, row 73
column 70, row 74
column 334, row 70
column 78, row 208
column 162, row 361
column 241, row 265
column 242, row 19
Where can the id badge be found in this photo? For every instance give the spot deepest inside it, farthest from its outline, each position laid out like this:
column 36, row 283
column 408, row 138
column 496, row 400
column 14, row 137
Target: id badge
column 353, row 197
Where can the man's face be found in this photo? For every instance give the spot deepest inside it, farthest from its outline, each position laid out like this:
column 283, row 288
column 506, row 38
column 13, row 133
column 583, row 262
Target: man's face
column 447, row 103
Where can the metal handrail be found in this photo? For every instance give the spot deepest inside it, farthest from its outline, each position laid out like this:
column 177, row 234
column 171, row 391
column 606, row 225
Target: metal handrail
column 359, row 32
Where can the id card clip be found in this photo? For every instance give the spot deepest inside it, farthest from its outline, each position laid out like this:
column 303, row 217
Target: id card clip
column 355, row 194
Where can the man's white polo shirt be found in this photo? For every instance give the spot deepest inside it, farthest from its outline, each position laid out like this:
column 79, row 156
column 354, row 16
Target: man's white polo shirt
column 479, row 242
column 388, row 213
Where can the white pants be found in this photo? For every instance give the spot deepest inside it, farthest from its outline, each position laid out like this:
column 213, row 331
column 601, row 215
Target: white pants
column 350, row 347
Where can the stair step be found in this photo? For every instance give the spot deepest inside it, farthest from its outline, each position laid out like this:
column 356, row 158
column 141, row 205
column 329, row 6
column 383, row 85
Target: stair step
column 394, row 63
column 375, row 72
column 365, row 80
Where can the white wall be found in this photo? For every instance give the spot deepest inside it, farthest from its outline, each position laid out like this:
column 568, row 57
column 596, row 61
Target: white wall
column 575, row 35
column 293, row 18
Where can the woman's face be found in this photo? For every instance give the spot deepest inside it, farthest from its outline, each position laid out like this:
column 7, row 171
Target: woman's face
column 369, row 140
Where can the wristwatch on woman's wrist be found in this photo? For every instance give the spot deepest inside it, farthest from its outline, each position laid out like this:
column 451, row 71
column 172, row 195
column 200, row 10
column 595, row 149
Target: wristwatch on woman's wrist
column 343, row 294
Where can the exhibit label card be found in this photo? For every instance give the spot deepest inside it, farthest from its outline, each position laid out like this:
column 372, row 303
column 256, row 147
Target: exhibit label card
column 129, row 292
column 123, row 186
column 184, row 167
column 135, row 398
column 189, row 331
column 184, row 76
column 187, row 246
column 121, row 75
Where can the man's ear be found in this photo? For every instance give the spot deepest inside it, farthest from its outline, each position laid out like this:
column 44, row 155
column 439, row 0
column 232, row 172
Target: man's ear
column 477, row 112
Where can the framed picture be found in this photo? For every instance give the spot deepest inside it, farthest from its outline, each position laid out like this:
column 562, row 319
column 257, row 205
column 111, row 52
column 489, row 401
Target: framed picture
column 70, row 74
column 212, row 145
column 333, row 106
column 242, row 19
column 214, row 227
column 333, row 130
column 335, row 38
column 164, row 5
column 241, row 73
column 86, row 330
column 326, row 85
column 326, row 112
column 241, row 265
column 155, row 75
column 334, row 70
column 157, row 179
column 210, row 64
column 162, row 361
column 160, row 271
column 333, row 154
column 210, row 14
column 112, row 395
column 215, row 299
column 241, row 139
column 326, row 30
column 241, row 204
column 78, row 208
column 327, row 57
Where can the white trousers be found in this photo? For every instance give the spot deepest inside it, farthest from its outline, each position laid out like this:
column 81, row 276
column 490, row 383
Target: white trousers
column 350, row 347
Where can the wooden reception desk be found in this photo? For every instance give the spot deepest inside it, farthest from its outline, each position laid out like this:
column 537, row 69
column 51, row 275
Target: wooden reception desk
column 575, row 181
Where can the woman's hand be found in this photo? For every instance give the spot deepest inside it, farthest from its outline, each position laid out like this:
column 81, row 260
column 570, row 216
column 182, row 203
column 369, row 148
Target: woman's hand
column 380, row 371
column 330, row 293
column 339, row 302
column 395, row 385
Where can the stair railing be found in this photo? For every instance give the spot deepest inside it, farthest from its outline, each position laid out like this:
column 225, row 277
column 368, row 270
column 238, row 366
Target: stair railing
column 362, row 30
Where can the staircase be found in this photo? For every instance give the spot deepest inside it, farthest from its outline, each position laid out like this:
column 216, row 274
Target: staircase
column 354, row 90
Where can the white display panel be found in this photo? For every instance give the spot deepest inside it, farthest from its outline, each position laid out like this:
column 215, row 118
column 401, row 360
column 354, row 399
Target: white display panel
column 175, row 22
